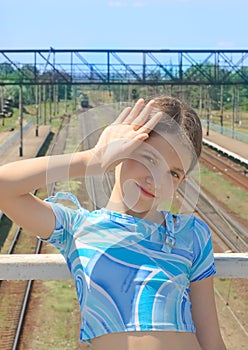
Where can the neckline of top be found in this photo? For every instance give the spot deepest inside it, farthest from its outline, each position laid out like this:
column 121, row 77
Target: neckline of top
column 134, row 219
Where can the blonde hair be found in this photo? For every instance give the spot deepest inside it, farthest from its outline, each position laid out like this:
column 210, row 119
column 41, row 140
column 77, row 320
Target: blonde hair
column 182, row 119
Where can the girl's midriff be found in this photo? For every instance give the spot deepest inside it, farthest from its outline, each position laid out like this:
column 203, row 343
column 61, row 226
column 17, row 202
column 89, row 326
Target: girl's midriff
column 156, row 340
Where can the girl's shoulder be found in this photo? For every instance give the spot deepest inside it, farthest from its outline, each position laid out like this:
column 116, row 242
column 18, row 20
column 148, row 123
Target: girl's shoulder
column 66, row 207
column 65, row 198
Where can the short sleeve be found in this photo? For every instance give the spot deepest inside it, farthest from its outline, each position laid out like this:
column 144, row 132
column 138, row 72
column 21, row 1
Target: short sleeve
column 203, row 265
column 67, row 221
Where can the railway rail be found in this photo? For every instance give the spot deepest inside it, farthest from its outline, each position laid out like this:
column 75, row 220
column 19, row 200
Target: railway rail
column 236, row 173
column 231, row 232
column 236, row 236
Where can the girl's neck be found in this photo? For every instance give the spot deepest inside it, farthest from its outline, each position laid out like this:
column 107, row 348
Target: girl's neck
column 153, row 215
column 116, row 203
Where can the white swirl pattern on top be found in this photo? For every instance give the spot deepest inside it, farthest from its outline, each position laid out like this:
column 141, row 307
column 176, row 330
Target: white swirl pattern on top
column 131, row 274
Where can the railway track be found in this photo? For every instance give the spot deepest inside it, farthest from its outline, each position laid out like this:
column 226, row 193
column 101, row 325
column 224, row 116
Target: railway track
column 236, row 236
column 98, row 188
column 15, row 294
column 237, row 174
column 232, row 233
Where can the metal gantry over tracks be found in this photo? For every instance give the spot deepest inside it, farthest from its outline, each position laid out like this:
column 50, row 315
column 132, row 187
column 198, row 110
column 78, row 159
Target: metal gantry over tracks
column 110, row 66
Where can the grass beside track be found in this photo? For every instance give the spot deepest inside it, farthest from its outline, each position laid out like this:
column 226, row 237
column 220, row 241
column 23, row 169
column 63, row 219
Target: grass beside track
column 59, row 314
column 235, row 198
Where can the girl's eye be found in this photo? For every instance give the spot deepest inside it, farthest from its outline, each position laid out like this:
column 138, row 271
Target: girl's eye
column 175, row 174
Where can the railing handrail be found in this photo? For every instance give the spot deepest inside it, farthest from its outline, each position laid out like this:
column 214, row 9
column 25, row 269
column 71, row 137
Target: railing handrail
column 53, row 266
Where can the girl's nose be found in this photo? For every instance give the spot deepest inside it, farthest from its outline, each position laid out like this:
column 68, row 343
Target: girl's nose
column 153, row 182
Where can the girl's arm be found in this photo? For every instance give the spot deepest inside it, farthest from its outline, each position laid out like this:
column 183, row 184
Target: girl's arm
column 18, row 179
column 205, row 315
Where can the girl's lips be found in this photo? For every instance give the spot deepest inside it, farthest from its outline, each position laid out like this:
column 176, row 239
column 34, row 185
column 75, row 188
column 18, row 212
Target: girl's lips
column 145, row 192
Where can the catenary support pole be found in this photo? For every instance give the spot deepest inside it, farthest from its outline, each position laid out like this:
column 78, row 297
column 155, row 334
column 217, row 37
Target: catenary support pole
column 21, row 120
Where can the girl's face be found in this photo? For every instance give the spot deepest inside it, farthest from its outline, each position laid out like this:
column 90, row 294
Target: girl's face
column 153, row 172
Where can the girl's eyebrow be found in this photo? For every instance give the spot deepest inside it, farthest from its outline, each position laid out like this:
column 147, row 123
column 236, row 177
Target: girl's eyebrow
column 154, row 152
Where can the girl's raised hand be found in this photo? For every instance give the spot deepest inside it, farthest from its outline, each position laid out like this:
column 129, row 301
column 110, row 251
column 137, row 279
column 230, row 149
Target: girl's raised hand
column 125, row 134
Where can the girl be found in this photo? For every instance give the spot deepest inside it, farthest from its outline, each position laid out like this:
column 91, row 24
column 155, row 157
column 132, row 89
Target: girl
column 144, row 277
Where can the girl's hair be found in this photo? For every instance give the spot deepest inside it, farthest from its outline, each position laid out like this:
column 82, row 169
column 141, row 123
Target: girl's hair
column 179, row 118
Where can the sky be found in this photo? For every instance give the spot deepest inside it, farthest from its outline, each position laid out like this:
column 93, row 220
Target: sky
column 124, row 24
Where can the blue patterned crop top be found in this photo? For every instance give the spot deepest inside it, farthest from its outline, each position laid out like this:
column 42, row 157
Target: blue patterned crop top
column 131, row 274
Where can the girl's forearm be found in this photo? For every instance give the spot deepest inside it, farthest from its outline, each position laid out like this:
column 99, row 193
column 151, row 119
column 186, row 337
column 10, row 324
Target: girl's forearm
column 24, row 176
column 116, row 143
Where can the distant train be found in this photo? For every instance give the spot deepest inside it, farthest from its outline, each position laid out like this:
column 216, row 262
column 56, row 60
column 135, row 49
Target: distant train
column 84, row 101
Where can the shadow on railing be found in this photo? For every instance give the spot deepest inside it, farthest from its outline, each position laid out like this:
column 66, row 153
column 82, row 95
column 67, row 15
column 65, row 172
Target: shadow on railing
column 53, row 266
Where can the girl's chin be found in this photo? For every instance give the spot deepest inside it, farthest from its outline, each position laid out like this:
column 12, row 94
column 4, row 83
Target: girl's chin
column 140, row 209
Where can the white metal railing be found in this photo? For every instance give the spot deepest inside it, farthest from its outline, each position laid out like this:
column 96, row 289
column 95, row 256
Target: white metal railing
column 53, row 266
